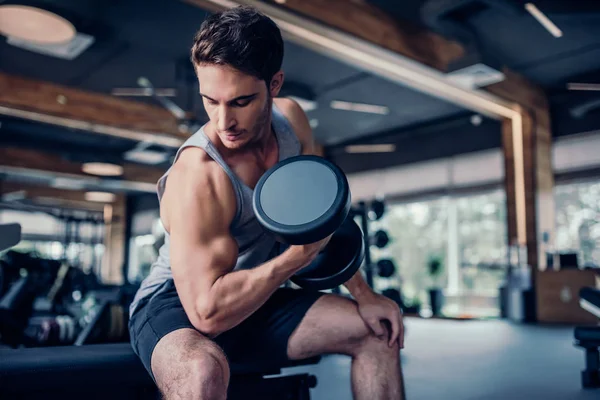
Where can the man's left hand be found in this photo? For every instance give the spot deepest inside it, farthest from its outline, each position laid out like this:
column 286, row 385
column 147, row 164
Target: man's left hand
column 375, row 309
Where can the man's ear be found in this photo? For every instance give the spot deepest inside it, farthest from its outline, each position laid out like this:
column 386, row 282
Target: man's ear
column 276, row 84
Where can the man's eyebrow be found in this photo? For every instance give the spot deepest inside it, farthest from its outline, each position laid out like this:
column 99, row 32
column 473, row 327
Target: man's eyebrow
column 244, row 97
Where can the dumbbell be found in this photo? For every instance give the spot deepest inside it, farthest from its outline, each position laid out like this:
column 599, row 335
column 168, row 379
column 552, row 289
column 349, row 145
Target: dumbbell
column 380, row 239
column 385, row 268
column 302, row 200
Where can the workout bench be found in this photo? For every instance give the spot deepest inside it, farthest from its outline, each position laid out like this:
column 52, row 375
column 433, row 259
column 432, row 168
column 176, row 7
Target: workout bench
column 589, row 339
column 113, row 371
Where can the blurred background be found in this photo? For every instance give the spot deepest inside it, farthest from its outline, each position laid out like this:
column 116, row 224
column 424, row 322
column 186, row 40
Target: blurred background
column 469, row 131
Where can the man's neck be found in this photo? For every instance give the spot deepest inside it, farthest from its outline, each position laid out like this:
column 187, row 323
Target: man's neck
column 264, row 143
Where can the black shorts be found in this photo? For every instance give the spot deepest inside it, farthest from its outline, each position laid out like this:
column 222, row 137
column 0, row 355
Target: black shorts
column 263, row 335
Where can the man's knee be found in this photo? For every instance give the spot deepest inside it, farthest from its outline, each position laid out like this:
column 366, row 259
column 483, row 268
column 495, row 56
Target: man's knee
column 210, row 371
column 378, row 346
column 198, row 371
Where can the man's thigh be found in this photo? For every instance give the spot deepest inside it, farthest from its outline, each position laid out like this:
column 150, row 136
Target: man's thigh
column 156, row 318
column 264, row 335
column 331, row 326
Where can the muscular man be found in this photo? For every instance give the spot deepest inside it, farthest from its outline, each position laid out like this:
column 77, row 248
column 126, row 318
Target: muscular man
column 214, row 295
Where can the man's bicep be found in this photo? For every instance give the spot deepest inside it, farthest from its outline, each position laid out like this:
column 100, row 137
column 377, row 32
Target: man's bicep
column 201, row 246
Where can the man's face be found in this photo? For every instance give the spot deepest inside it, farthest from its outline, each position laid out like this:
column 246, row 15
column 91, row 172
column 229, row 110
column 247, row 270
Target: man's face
column 238, row 105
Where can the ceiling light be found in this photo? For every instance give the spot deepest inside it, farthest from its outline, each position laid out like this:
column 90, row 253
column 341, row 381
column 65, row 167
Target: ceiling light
column 34, row 25
column 370, row 148
column 102, row 169
column 544, row 20
column 359, row 107
column 583, row 86
column 100, row 197
column 146, row 157
column 144, row 92
column 476, row 119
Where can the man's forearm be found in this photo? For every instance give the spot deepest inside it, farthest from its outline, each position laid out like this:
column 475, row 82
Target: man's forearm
column 236, row 295
column 358, row 287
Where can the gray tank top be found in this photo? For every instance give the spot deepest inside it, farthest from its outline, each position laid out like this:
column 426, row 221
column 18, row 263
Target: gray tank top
column 256, row 246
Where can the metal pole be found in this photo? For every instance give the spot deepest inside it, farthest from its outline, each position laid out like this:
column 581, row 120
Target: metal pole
column 362, row 212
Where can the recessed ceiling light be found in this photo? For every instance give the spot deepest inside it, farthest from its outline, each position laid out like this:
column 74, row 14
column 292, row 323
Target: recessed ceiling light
column 100, row 197
column 102, row 169
column 34, row 25
column 543, row 20
column 359, row 107
column 476, row 119
column 370, row 148
column 584, row 86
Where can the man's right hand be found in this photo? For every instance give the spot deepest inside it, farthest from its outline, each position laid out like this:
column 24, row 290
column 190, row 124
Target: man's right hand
column 304, row 254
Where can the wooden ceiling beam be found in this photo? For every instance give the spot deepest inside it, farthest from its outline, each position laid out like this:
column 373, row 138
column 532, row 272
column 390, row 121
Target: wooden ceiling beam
column 93, row 112
column 369, row 23
column 37, row 160
column 48, row 197
column 36, row 191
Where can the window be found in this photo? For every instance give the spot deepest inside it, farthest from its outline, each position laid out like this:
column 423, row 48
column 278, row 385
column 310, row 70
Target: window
column 417, row 231
column 468, row 233
column 481, row 256
column 578, row 221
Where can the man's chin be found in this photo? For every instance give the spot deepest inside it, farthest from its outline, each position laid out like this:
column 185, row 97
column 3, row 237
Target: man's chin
column 234, row 144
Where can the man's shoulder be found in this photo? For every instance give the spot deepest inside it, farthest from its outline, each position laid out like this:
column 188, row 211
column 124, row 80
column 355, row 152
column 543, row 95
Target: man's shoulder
column 195, row 167
column 289, row 108
column 296, row 116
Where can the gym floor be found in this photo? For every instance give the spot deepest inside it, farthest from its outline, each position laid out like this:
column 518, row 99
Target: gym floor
column 469, row 360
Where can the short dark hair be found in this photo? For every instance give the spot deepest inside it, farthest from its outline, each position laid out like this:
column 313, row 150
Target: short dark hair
column 242, row 38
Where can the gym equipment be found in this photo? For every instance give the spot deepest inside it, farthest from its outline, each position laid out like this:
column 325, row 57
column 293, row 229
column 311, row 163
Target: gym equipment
column 377, row 210
column 51, row 331
column 337, row 263
column 386, row 268
column 380, row 239
column 104, row 322
column 589, row 300
column 113, row 371
column 367, row 212
column 10, row 235
column 15, row 308
column 373, row 211
column 588, row 338
column 303, row 200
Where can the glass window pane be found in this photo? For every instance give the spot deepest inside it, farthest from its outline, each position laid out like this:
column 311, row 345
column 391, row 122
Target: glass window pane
column 578, row 221
column 417, row 231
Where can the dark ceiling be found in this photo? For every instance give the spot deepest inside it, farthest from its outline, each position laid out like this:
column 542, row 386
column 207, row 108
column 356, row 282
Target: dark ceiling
column 151, row 38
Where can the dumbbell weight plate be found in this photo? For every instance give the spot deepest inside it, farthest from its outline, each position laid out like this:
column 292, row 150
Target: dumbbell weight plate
column 337, row 262
column 302, row 199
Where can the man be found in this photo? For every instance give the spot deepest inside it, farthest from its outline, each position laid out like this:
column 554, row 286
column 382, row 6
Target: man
column 214, row 294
